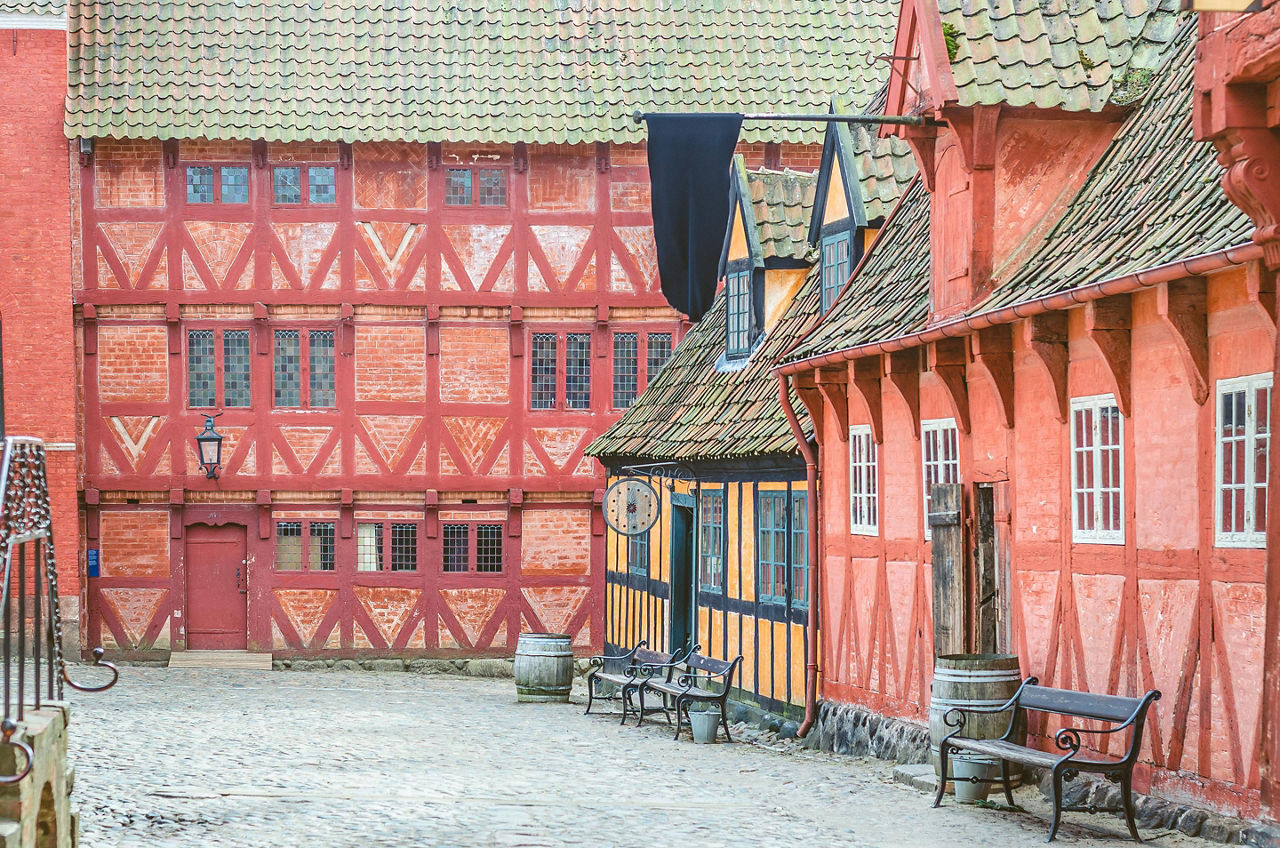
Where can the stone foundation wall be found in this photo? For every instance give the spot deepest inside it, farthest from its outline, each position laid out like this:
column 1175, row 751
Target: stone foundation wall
column 854, row 730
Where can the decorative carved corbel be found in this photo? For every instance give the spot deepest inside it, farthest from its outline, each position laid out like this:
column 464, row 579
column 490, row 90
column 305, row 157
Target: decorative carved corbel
column 865, row 377
column 1247, row 154
column 947, row 360
column 1182, row 306
column 903, row 370
column 811, row 397
column 1107, row 323
column 993, row 353
column 833, row 383
column 1046, row 338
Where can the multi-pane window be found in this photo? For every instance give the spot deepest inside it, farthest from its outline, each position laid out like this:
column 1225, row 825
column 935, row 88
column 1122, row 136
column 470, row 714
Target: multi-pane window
column 383, row 543
column 799, row 550
column 638, row 553
column 475, row 187
column 1097, row 470
column 772, row 545
column 940, row 454
column 835, row 267
column 217, row 184
column 864, row 500
column 305, row 544
column 626, row 369
column 304, row 369
column 1244, row 442
column 316, row 183
column 637, row 360
column 577, row 371
column 218, row 368
column 711, row 540
column 738, row 314
column 472, row 547
column 545, row 368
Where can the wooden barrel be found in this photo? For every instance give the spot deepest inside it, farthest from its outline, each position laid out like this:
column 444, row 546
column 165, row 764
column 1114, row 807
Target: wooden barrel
column 543, row 667
column 972, row 680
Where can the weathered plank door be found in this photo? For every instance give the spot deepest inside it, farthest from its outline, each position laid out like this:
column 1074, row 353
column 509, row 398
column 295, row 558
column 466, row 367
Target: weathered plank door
column 946, row 523
column 990, row 598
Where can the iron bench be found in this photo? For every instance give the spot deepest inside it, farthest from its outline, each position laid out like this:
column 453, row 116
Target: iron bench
column 1119, row 711
column 704, row 681
column 610, row 668
column 640, row 664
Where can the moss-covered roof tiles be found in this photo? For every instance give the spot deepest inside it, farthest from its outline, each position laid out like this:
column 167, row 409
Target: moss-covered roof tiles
column 782, row 204
column 885, row 164
column 1075, row 54
column 1154, row 197
column 540, row 71
column 33, row 7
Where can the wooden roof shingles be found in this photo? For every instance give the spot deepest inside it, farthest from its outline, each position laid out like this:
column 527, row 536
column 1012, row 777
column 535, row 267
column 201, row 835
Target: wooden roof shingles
column 694, row 412
column 480, row 71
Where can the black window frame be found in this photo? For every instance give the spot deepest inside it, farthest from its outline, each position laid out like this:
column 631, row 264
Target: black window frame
column 387, row 553
column 476, row 528
column 307, row 534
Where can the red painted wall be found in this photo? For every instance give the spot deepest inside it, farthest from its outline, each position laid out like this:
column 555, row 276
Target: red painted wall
column 35, row 276
column 1168, row 609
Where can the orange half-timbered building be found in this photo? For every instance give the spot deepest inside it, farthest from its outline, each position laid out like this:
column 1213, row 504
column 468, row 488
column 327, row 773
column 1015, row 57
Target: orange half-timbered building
column 412, row 301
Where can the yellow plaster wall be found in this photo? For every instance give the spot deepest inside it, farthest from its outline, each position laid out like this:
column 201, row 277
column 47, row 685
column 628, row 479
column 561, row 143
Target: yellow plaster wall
column 837, row 208
column 780, row 287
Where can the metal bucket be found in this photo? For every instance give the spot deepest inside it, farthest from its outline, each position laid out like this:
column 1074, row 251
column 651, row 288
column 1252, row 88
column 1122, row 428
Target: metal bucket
column 704, row 725
column 543, row 667
column 972, row 680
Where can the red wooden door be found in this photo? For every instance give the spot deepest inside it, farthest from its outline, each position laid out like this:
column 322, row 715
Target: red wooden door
column 217, row 586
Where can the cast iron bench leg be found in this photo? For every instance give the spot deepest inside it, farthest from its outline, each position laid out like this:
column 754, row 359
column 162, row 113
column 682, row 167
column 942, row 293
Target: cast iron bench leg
column 591, row 688
column 680, row 704
column 1004, row 776
column 942, row 775
column 724, row 719
column 1126, row 798
column 1057, row 801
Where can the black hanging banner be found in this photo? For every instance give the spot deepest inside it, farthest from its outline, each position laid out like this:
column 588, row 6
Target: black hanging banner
column 690, row 156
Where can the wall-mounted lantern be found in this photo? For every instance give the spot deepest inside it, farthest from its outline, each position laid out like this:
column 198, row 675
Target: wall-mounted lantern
column 209, row 448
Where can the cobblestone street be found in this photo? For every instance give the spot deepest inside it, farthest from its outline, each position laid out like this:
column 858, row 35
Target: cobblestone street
column 336, row 759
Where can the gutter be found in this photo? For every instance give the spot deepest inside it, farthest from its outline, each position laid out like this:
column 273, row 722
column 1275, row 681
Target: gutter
column 1195, row 266
column 811, row 517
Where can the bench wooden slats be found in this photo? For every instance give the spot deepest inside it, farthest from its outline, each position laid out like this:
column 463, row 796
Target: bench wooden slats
column 692, row 686
column 1122, row 713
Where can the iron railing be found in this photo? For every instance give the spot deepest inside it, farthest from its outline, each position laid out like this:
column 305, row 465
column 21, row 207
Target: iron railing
column 29, row 600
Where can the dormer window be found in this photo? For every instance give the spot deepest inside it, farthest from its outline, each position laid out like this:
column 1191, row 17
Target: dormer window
column 835, row 266
column 738, row 306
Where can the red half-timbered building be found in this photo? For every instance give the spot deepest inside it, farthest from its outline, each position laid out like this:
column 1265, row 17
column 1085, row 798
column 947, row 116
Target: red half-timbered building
column 407, row 260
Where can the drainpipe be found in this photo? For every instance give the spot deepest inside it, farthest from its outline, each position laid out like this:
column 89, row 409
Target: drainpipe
column 811, row 485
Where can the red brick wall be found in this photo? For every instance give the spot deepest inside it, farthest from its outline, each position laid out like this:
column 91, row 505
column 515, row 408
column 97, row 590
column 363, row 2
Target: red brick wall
column 474, row 365
column 135, row 543
column 556, row 542
column 130, row 173
column 133, row 363
column 35, row 271
column 389, row 363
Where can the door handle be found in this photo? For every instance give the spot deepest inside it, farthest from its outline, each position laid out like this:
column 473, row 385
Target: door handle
column 244, row 590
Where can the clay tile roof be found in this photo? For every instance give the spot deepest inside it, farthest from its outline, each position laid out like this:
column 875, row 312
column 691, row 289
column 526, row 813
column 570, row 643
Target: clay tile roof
column 885, row 165
column 694, row 412
column 1153, row 198
column 33, row 7
column 538, row 71
column 890, row 295
column 1074, row 54
column 782, row 204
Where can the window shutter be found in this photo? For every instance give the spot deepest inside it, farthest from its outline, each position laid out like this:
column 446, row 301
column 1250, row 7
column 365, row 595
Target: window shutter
column 946, row 519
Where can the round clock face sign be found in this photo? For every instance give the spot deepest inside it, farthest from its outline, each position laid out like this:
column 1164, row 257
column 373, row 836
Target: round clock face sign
column 631, row 506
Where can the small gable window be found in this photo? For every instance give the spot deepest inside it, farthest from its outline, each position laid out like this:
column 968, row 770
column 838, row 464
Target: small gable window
column 738, row 304
column 835, row 267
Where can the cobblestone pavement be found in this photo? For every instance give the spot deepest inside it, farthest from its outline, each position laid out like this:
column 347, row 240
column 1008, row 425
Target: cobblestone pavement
column 335, row 759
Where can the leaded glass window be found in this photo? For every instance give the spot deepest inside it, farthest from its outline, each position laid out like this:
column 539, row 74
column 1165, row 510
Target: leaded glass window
column 288, row 368
column 321, row 185
column 626, row 363
column 577, row 371
column 320, row 360
column 287, row 182
column 542, row 366
column 235, row 367
column 200, row 368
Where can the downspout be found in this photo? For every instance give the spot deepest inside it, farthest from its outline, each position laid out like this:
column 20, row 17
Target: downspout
column 811, row 486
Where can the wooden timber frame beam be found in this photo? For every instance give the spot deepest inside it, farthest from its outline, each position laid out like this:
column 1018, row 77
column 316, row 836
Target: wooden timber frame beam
column 1107, row 323
column 1046, row 337
column 1260, row 283
column 833, row 383
column 807, row 388
column 903, row 370
column 1183, row 307
column 993, row 353
column 948, row 359
column 864, row 376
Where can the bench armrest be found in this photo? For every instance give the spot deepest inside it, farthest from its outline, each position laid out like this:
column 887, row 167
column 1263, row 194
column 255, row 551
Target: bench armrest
column 954, row 717
column 599, row 660
column 1068, row 738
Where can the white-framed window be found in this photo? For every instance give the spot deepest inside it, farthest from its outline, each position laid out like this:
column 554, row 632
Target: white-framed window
column 864, row 484
column 1097, row 470
column 940, row 455
column 1243, row 444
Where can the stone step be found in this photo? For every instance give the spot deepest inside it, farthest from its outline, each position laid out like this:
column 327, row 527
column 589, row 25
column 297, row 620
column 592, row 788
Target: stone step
column 220, row 659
